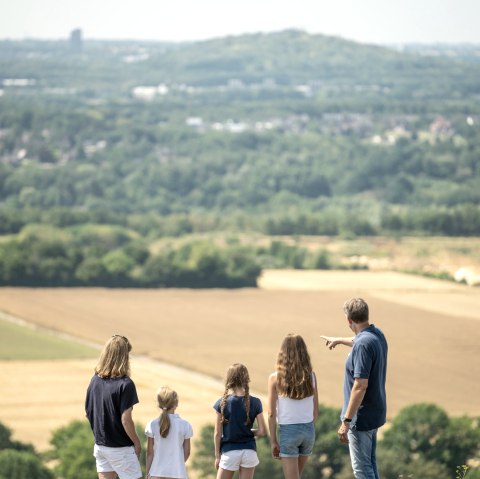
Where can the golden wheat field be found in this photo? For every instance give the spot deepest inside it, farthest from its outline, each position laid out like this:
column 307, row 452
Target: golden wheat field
column 432, row 327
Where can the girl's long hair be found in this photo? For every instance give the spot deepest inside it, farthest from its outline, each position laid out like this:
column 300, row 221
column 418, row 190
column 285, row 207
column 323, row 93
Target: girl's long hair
column 237, row 377
column 294, row 369
column 166, row 399
column 114, row 361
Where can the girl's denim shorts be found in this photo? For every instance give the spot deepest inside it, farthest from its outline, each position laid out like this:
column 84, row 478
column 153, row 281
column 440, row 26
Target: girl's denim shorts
column 296, row 439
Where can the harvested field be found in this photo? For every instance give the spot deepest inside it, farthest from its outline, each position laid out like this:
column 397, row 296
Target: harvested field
column 46, row 395
column 432, row 327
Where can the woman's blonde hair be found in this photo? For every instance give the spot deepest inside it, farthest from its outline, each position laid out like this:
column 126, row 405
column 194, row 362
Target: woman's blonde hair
column 114, row 361
column 167, row 399
column 294, row 368
column 237, row 377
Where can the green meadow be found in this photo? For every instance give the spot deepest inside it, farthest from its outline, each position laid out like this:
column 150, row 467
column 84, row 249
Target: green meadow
column 25, row 343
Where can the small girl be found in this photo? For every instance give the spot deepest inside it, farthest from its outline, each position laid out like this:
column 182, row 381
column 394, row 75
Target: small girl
column 235, row 448
column 293, row 403
column 168, row 446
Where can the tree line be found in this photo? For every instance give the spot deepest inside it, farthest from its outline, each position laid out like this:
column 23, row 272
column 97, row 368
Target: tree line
column 422, row 441
column 112, row 256
column 108, row 256
column 462, row 220
column 179, row 251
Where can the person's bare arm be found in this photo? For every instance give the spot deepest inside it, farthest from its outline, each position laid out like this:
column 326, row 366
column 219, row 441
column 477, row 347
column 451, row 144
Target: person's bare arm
column 129, row 427
column 272, row 414
column 356, row 397
column 332, row 341
column 262, row 428
column 149, row 459
column 315, row 398
column 186, row 449
column 217, row 436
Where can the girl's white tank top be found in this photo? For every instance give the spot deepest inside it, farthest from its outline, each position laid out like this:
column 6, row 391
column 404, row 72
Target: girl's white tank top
column 295, row 411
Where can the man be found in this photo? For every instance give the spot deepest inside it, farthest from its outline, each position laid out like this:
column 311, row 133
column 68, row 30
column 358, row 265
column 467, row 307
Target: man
column 364, row 409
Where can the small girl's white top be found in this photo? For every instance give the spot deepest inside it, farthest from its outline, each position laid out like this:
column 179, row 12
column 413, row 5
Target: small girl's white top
column 168, row 459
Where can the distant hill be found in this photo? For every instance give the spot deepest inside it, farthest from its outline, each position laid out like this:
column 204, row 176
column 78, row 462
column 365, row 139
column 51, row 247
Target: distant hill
column 285, row 58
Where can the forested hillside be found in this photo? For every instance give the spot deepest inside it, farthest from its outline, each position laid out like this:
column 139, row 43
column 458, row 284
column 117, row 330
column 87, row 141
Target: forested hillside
column 283, row 133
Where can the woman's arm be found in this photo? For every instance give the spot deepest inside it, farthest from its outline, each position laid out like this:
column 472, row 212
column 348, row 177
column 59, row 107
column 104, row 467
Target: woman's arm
column 129, row 427
column 149, row 455
column 186, row 449
column 217, row 436
column 272, row 414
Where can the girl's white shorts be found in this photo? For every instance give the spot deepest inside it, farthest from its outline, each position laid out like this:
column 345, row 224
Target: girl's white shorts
column 122, row 460
column 234, row 460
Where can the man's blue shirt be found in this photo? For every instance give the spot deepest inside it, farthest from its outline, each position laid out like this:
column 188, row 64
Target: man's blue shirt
column 368, row 360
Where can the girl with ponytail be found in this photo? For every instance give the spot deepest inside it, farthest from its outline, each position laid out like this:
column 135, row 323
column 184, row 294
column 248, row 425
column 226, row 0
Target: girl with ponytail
column 168, row 446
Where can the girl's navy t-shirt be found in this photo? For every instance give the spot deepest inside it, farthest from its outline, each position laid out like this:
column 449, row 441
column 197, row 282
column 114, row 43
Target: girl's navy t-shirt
column 235, row 434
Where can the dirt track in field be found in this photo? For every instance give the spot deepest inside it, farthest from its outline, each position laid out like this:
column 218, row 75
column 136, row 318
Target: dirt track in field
column 432, row 328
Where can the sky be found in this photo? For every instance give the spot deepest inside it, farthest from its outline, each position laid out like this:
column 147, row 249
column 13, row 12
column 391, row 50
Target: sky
column 364, row 21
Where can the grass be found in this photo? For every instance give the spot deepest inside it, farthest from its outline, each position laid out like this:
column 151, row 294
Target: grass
column 25, row 343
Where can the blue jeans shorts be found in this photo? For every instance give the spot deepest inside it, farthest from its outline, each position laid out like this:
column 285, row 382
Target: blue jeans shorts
column 296, row 439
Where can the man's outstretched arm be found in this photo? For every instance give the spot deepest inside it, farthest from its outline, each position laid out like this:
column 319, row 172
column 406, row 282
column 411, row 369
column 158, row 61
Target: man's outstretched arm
column 331, row 341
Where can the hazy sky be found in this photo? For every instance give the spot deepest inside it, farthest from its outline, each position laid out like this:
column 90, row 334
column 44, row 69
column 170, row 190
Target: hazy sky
column 368, row 21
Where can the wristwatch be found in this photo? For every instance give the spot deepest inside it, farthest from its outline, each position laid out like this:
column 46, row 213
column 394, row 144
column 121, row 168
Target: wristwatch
column 347, row 419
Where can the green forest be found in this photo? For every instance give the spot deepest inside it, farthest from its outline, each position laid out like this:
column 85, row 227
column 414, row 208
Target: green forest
column 105, row 149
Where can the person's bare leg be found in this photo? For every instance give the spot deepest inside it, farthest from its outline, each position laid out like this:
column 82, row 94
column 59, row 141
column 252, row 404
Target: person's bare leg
column 246, row 472
column 107, row 475
column 290, row 467
column 302, row 460
column 224, row 474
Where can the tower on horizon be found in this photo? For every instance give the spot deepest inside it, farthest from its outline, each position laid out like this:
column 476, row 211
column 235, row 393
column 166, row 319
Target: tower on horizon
column 76, row 42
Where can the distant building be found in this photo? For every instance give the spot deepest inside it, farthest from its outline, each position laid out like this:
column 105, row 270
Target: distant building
column 76, row 42
column 441, row 127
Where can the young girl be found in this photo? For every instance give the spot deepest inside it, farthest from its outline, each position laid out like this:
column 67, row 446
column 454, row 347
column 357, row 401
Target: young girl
column 293, row 403
column 168, row 446
column 235, row 448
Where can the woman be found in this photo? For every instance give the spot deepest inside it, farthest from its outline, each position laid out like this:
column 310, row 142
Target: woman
column 111, row 396
column 293, row 403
